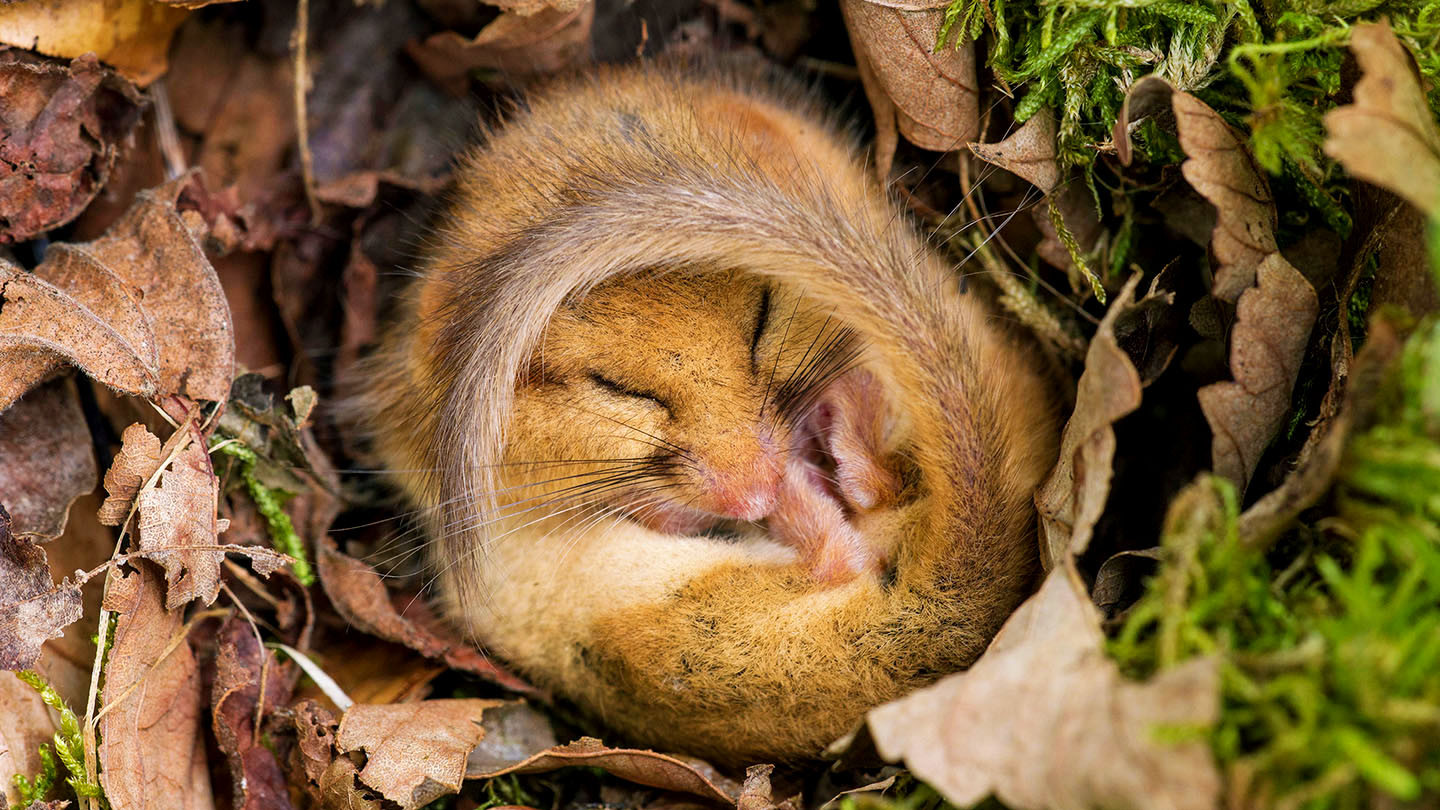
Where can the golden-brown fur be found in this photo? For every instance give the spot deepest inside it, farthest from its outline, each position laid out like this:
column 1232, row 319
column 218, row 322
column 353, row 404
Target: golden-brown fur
column 728, row 649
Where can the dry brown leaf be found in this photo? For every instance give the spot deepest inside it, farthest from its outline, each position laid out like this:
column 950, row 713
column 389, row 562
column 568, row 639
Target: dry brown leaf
column 1029, row 152
column 139, row 309
column 361, row 597
column 642, row 767
column 1353, row 395
column 256, row 781
column 1267, row 344
column 414, row 752
column 930, row 96
column 1220, row 167
column 1387, row 136
column 151, row 751
column 46, row 459
column 1073, row 496
column 517, row 44
column 60, row 129
column 1045, row 721
column 27, row 725
column 177, row 514
column 153, row 250
column 32, row 607
column 138, row 459
column 1403, row 277
column 41, row 324
column 131, row 35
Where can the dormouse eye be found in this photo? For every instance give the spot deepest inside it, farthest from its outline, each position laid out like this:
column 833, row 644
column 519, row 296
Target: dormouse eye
column 623, row 390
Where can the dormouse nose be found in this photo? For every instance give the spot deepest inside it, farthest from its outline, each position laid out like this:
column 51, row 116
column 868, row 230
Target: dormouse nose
column 741, row 479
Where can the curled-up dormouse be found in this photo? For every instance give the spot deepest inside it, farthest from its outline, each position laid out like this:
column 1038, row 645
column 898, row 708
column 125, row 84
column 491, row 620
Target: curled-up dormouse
column 707, row 439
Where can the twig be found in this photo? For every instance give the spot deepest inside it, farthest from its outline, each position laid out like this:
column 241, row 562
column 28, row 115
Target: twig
column 302, row 121
column 166, row 133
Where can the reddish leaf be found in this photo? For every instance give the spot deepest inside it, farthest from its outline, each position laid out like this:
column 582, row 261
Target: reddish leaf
column 60, row 127
column 255, row 776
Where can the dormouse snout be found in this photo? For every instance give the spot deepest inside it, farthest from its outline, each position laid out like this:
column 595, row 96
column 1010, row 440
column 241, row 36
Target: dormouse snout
column 741, row 479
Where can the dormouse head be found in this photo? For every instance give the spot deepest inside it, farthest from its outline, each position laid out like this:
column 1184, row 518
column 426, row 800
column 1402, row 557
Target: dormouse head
column 671, row 397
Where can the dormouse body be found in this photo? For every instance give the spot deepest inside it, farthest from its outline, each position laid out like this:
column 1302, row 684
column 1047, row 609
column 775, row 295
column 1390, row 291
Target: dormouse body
column 708, row 440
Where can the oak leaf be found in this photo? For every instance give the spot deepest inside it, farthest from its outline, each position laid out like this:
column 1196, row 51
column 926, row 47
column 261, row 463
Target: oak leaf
column 1045, row 720
column 1266, row 347
column 1221, row 168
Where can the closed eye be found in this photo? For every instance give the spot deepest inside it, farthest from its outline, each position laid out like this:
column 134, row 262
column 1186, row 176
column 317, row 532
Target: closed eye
column 623, row 390
column 761, row 319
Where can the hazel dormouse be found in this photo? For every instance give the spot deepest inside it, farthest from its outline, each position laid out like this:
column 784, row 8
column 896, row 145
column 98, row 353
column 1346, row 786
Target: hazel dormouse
column 705, row 438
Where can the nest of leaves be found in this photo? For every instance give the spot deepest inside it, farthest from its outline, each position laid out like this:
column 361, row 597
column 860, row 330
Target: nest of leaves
column 1216, row 219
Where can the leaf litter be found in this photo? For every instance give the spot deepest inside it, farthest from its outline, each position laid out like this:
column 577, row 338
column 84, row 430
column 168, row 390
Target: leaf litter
column 1045, row 719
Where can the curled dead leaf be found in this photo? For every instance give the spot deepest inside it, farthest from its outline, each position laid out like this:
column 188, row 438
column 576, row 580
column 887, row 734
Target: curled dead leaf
column 642, row 767
column 1220, row 167
column 46, row 459
column 60, row 130
column 1267, row 345
column 32, row 607
column 1029, row 152
column 1387, row 136
column 152, row 754
column 516, row 44
column 139, row 309
column 1354, row 395
column 1044, row 719
column 931, row 96
column 1072, row 498
column 153, row 249
column 138, row 459
column 42, row 324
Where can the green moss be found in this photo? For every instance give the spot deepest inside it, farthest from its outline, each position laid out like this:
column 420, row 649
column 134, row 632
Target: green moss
column 69, row 747
column 1328, row 647
column 270, row 506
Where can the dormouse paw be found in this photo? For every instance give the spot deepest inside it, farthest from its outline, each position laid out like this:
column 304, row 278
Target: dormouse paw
column 809, row 518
